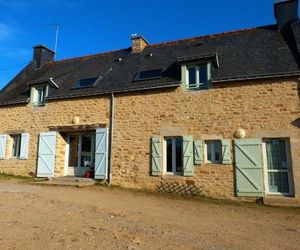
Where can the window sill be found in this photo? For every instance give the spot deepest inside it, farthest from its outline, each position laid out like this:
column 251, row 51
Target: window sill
column 213, row 163
column 14, row 158
column 172, row 176
column 38, row 105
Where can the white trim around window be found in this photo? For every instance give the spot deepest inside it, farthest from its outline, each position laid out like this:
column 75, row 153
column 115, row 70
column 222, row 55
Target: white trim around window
column 174, row 156
column 39, row 94
column 213, row 151
column 197, row 78
column 267, row 171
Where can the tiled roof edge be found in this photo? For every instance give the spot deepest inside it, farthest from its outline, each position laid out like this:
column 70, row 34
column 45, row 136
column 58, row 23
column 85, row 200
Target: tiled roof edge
column 98, row 93
column 245, row 78
column 14, row 102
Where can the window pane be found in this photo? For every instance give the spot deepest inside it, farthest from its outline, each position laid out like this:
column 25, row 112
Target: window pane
column 84, row 83
column 73, row 152
column 278, row 182
column 209, row 153
column 217, row 146
column 86, row 143
column 276, row 154
column 16, row 145
column 203, row 74
column 169, row 155
column 192, row 75
column 41, row 94
column 178, row 155
column 148, row 74
column 214, row 153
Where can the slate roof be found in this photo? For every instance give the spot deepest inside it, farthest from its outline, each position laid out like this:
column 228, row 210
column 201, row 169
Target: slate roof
column 241, row 55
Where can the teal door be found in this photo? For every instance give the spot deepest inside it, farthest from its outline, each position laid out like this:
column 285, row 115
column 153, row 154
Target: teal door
column 278, row 166
column 248, row 167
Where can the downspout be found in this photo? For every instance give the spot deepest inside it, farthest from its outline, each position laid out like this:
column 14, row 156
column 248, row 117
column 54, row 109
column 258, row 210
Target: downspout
column 111, row 127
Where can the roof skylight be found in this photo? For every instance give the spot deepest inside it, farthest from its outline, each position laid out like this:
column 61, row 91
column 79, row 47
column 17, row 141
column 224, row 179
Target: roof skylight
column 148, row 75
column 85, row 83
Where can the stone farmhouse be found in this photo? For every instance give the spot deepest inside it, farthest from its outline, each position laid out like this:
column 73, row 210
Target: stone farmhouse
column 218, row 113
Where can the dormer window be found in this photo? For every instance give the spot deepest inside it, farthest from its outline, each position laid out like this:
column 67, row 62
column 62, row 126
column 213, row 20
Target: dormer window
column 198, row 76
column 39, row 94
column 196, row 70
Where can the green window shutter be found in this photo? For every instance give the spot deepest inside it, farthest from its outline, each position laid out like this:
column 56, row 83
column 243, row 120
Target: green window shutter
column 226, row 150
column 188, row 162
column 249, row 167
column 198, row 152
column 156, row 156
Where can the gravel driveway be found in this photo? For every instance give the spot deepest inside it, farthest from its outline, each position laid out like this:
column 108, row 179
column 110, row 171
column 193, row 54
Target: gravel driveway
column 47, row 217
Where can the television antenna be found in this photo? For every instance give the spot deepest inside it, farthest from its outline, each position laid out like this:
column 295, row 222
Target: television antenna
column 56, row 26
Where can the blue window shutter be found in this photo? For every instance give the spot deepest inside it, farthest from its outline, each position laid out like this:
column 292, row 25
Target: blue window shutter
column 198, row 152
column 3, row 139
column 249, row 167
column 24, row 146
column 156, row 155
column 101, row 153
column 226, row 152
column 188, row 159
column 46, row 154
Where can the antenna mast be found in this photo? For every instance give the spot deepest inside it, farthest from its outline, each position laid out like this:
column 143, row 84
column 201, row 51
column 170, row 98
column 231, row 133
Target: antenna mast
column 56, row 26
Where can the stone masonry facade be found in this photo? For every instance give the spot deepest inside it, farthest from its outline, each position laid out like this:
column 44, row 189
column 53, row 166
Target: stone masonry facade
column 263, row 108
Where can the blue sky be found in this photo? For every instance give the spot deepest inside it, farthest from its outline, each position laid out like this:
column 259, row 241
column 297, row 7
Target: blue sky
column 89, row 27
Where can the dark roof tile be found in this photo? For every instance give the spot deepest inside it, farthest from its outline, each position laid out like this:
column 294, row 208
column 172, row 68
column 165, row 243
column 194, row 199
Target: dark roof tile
column 243, row 54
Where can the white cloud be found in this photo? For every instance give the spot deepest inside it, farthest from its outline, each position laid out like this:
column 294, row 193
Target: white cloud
column 17, row 5
column 5, row 31
column 15, row 53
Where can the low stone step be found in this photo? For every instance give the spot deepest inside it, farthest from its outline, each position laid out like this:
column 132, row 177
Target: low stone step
column 281, row 201
column 73, row 179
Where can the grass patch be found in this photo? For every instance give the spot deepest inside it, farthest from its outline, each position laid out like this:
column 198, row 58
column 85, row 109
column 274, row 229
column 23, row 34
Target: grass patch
column 16, row 177
column 208, row 200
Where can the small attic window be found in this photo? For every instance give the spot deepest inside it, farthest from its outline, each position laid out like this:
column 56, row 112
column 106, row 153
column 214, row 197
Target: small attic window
column 39, row 94
column 85, row 83
column 148, row 75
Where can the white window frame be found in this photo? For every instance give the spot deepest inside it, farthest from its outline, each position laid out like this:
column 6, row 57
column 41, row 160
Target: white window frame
column 266, row 170
column 197, row 71
column 35, row 95
column 174, row 172
column 209, row 143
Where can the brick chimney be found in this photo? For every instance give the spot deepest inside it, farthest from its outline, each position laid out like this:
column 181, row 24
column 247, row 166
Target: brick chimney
column 138, row 43
column 42, row 55
column 286, row 12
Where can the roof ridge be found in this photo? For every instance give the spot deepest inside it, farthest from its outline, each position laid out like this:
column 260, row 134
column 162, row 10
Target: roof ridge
column 210, row 35
column 160, row 44
column 88, row 56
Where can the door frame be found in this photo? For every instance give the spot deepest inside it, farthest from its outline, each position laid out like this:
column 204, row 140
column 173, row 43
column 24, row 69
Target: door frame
column 79, row 147
column 289, row 167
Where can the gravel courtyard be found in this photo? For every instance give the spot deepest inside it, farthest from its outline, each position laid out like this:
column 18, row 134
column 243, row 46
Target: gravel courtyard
column 48, row 217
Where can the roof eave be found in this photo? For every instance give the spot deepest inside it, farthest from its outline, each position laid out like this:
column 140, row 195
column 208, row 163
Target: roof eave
column 254, row 77
column 114, row 91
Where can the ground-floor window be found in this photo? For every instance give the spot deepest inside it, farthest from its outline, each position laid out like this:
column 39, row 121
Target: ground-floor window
column 173, row 155
column 16, row 145
column 213, row 151
column 278, row 166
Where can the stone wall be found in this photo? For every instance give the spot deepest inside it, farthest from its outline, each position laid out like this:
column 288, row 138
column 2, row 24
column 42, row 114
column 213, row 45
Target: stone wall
column 25, row 118
column 261, row 108
column 266, row 108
